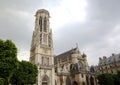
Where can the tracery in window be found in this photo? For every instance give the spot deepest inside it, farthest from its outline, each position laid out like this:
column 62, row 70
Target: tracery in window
column 45, row 24
column 80, row 65
column 45, row 80
column 40, row 23
column 40, row 38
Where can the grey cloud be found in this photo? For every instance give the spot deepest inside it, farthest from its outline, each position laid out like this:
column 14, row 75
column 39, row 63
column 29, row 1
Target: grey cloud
column 93, row 35
column 82, row 33
column 103, row 9
column 17, row 21
column 13, row 27
column 96, row 36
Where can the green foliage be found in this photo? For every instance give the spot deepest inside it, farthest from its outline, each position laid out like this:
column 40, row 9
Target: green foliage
column 117, row 78
column 25, row 74
column 105, row 79
column 1, row 81
column 8, row 60
column 109, row 79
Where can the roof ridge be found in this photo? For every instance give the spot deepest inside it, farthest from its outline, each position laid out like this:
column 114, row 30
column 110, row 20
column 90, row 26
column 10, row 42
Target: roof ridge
column 67, row 51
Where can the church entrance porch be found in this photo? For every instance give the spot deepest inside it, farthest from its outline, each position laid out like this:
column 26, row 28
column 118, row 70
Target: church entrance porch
column 44, row 83
column 45, row 80
column 75, row 83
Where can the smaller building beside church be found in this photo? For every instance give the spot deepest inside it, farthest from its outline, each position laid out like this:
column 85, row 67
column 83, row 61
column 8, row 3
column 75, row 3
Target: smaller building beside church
column 109, row 64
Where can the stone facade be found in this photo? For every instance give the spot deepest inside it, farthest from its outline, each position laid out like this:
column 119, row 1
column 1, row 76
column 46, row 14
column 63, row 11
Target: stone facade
column 109, row 65
column 68, row 68
column 41, row 52
column 71, row 68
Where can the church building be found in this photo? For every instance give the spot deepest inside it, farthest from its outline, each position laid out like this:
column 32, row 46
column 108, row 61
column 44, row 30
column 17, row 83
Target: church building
column 68, row 68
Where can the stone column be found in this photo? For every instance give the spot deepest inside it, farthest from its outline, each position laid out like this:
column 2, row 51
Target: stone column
column 64, row 80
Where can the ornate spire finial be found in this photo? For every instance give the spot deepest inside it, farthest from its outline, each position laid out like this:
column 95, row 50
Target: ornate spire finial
column 76, row 45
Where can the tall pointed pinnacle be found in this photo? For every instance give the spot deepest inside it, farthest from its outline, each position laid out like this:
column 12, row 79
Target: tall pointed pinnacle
column 76, row 45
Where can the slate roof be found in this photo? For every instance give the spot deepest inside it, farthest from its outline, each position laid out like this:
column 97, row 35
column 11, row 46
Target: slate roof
column 64, row 56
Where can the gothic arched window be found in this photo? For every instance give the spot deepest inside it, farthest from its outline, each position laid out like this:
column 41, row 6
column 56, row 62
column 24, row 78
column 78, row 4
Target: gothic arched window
column 83, row 83
column 45, row 24
column 75, row 83
column 80, row 66
column 68, row 82
column 45, row 80
column 87, row 80
column 40, row 23
column 61, row 80
column 91, row 81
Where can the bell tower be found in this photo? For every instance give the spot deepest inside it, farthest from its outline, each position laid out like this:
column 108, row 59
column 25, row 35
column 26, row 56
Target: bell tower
column 41, row 52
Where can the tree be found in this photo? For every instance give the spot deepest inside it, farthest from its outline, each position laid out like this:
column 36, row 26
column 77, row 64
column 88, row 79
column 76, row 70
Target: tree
column 117, row 78
column 25, row 74
column 8, row 60
column 1, row 81
column 105, row 79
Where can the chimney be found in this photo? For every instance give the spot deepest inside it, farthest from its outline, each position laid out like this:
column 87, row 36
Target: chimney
column 100, row 58
column 113, row 54
column 104, row 57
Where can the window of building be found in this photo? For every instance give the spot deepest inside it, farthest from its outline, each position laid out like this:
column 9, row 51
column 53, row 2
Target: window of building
column 110, row 66
column 45, row 80
column 111, row 71
column 45, row 24
column 61, row 80
column 55, row 69
column 47, row 61
column 55, row 82
column 40, row 23
column 87, row 80
column 115, row 65
column 119, row 55
column 91, row 81
column 83, row 83
column 82, row 75
column 105, row 67
column 40, row 38
column 68, row 81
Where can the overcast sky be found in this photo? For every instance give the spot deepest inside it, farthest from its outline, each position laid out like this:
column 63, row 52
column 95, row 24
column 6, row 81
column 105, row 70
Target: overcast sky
column 93, row 24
